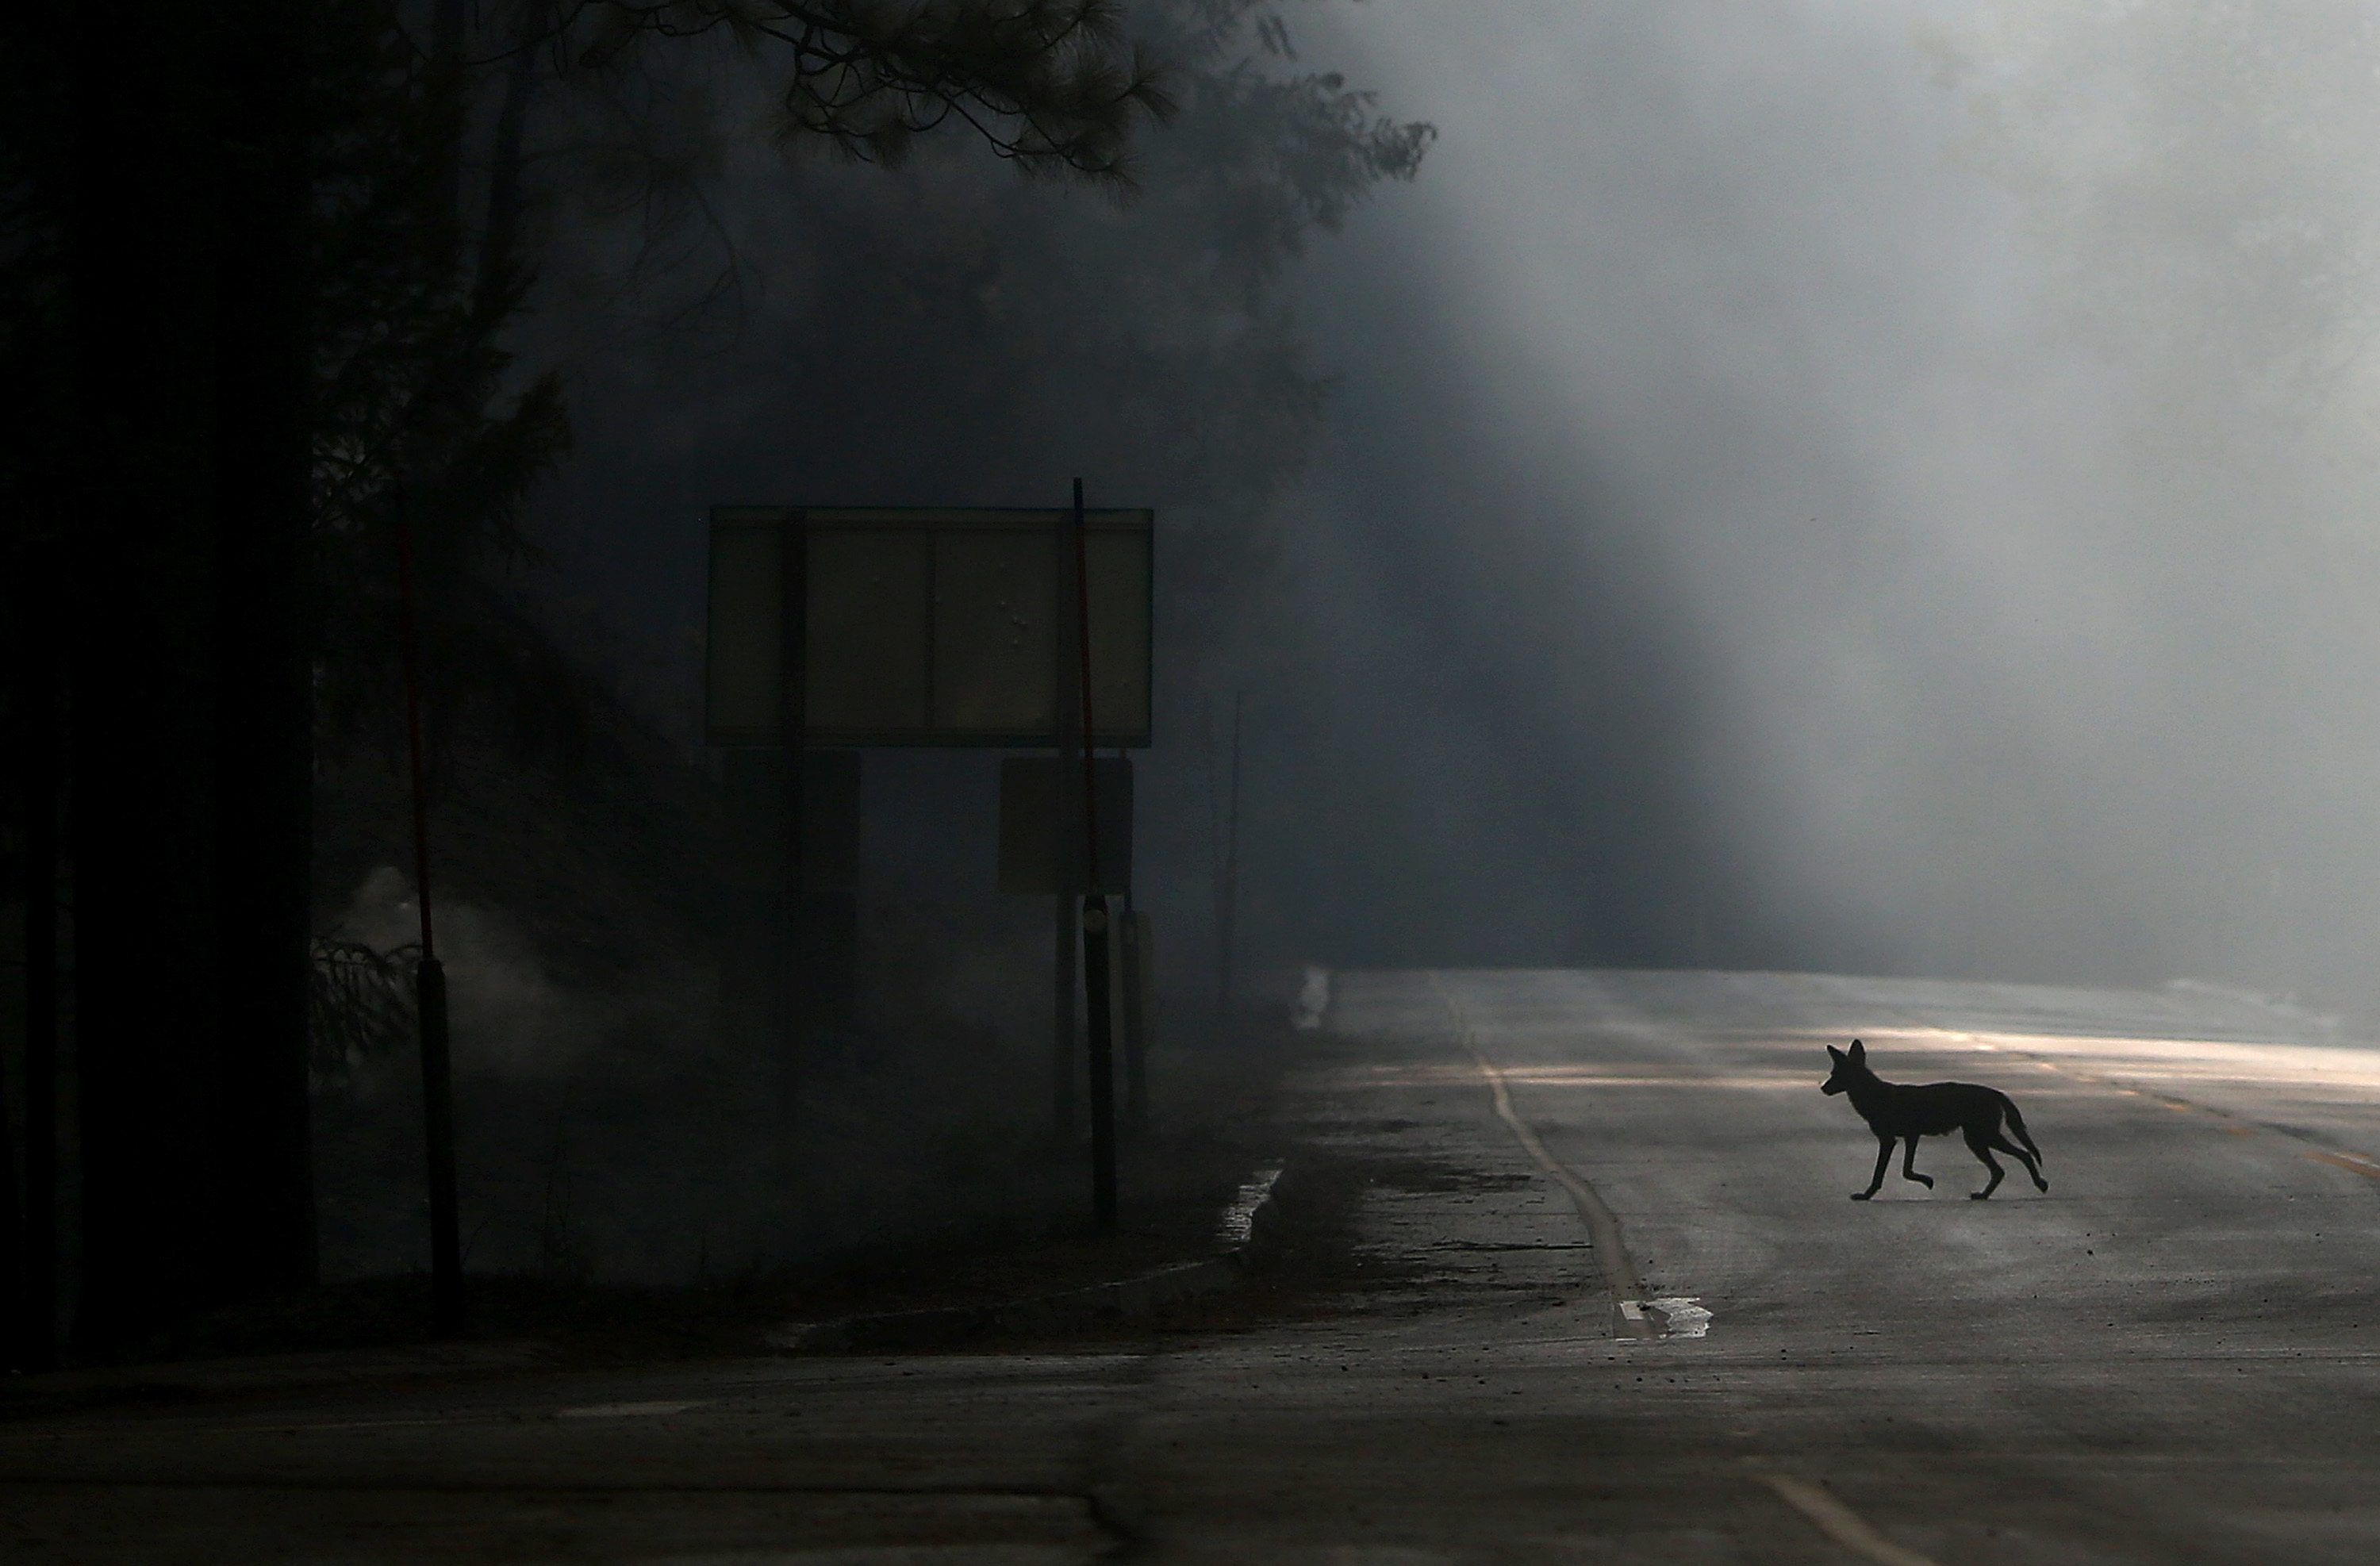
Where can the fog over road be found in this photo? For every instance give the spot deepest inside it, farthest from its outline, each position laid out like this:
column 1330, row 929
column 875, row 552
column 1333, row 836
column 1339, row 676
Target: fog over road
column 2168, row 1357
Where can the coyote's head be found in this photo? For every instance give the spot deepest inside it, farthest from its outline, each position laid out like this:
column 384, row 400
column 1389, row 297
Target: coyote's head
column 1849, row 1067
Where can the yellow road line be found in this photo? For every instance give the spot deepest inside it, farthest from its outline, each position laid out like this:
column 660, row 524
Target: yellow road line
column 1841, row 1524
column 2349, row 1161
column 1602, row 1224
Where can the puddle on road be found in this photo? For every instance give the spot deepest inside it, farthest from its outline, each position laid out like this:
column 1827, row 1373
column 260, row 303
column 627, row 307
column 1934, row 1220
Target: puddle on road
column 1239, row 1219
column 1684, row 1315
column 1680, row 1315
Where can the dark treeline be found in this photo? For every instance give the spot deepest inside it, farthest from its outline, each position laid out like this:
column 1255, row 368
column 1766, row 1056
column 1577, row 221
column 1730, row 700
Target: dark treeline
column 532, row 279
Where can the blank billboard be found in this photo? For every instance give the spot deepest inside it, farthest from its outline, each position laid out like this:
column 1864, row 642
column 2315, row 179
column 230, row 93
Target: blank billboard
column 929, row 626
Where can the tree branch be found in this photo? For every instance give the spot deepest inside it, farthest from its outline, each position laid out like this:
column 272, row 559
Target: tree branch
column 1051, row 85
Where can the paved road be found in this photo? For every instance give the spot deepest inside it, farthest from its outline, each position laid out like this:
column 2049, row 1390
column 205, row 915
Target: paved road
column 2170, row 1357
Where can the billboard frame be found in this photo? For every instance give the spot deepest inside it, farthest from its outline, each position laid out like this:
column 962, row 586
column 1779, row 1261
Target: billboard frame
column 747, row 615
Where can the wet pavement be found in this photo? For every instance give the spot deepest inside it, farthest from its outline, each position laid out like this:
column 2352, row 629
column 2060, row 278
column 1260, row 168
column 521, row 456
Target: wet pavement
column 2174, row 1355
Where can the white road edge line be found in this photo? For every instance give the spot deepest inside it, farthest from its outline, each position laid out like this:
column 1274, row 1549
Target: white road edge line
column 1841, row 1524
column 1602, row 1224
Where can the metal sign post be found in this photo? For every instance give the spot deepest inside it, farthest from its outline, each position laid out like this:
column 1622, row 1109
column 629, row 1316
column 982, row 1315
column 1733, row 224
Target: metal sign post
column 429, row 987
column 1097, row 1008
column 35, row 1346
column 1066, row 681
column 1139, row 1011
column 1227, row 886
column 792, row 727
column 1096, row 926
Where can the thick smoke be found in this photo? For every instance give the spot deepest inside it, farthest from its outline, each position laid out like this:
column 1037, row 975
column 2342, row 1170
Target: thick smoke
column 1866, row 487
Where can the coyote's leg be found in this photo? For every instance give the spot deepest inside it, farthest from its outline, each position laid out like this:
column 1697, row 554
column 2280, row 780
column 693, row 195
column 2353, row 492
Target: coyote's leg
column 2000, row 1140
column 1909, row 1166
column 1979, row 1142
column 1883, row 1162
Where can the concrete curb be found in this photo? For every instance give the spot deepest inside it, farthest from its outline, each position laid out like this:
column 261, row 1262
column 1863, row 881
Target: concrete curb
column 1249, row 1225
column 905, row 1331
column 280, row 1372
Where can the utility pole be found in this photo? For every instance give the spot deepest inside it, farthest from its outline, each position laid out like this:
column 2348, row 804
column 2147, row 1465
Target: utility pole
column 430, row 987
column 794, row 985
column 1138, row 1015
column 1096, row 1010
column 1227, row 895
column 1065, row 608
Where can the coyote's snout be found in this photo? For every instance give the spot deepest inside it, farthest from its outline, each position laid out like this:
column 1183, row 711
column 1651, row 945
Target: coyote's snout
column 1900, row 1112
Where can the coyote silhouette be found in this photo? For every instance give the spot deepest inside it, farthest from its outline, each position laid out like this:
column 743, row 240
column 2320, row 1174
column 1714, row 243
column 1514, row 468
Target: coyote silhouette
column 1898, row 1112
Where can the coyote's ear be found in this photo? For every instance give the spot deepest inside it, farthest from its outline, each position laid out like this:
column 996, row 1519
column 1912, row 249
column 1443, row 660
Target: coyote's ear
column 1859, row 1050
column 1836, row 1053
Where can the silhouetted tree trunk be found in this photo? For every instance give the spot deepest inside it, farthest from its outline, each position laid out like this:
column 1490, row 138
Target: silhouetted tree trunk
column 188, row 524
column 33, row 478
column 192, row 769
column 35, row 669
column 143, row 268
column 265, row 755
column 495, row 287
column 16, row 1297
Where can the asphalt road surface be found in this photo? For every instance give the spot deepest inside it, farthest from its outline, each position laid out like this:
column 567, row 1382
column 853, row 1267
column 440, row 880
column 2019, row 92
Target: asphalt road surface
column 1622, row 1311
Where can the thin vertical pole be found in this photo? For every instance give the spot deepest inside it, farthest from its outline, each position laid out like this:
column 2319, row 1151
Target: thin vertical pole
column 1136, row 1019
column 1090, row 746
column 1067, row 722
column 39, row 1237
column 1095, row 924
column 1227, row 935
column 1097, row 1011
column 1214, row 846
column 795, row 986
column 1135, row 977
column 16, row 1299
column 430, row 984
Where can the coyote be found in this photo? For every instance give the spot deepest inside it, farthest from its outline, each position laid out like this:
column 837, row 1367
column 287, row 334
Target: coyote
column 1898, row 1113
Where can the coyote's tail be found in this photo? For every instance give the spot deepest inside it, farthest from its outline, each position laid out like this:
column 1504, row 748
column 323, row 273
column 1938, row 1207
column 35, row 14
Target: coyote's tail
column 2016, row 1123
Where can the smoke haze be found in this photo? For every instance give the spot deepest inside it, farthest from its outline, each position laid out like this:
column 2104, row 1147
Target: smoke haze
column 1875, row 489
column 1872, row 487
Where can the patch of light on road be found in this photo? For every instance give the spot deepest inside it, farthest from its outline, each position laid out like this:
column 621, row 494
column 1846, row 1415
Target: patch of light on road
column 1239, row 1219
column 1684, row 1315
column 1553, row 1075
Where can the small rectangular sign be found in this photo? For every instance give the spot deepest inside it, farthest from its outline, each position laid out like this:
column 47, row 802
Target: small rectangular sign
column 1028, row 825
column 925, row 627
column 742, row 671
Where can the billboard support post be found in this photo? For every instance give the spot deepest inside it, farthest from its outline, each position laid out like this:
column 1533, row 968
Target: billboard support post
column 430, row 984
column 791, row 935
column 1096, row 927
column 1098, row 1009
column 1067, row 722
column 1137, row 1014
column 1227, row 888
